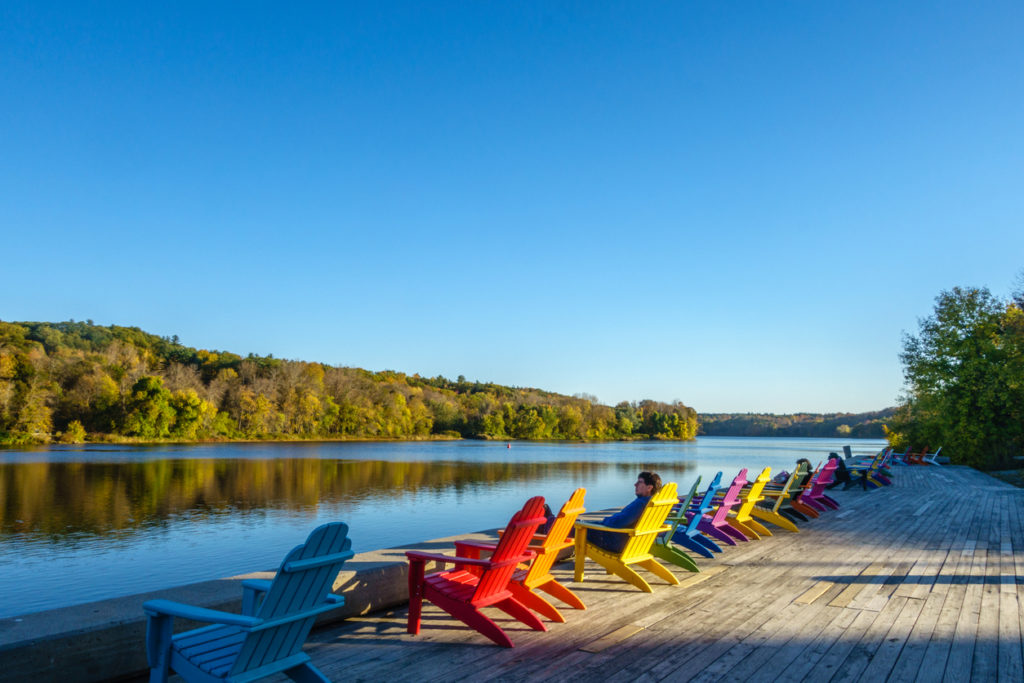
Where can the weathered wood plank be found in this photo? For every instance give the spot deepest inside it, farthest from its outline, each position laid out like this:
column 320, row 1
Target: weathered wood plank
column 929, row 585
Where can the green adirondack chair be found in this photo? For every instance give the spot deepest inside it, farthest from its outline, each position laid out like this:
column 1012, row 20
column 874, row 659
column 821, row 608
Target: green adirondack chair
column 663, row 547
column 267, row 637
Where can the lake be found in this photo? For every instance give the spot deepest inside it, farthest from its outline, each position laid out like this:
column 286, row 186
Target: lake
column 84, row 523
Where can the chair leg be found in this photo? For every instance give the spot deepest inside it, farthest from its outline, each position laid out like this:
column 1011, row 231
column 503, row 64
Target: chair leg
column 660, row 570
column 416, row 569
column 158, row 646
column 624, row 572
column 517, row 610
column 706, row 541
column 472, row 617
column 691, row 544
column 743, row 528
column 776, row 519
column 562, row 593
column 306, row 673
column 535, row 602
column 676, row 556
column 761, row 529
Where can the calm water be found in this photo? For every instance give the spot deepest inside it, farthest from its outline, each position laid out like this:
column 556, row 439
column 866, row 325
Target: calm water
column 85, row 523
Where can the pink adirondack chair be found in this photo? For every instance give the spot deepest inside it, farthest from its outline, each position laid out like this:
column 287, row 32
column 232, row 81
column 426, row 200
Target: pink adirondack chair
column 814, row 496
column 462, row 592
column 717, row 524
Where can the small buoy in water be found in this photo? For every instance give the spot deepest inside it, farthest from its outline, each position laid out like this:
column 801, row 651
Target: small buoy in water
column 508, row 445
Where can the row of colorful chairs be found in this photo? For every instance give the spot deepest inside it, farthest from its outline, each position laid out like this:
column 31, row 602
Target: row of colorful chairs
column 513, row 574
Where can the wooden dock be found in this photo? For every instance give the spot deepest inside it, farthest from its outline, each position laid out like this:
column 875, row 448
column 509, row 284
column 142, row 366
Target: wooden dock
column 918, row 581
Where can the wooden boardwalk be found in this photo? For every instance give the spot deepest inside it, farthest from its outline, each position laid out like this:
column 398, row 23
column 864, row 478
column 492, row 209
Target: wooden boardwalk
column 918, row 581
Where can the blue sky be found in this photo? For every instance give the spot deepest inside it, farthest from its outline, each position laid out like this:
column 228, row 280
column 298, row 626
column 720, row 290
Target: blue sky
column 742, row 206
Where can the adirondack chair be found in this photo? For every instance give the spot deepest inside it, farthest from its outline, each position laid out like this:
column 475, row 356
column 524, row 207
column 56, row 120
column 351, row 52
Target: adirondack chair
column 884, row 458
column 932, row 458
column 742, row 518
column 462, row 593
column 900, row 458
column 267, row 637
column 638, row 546
column 806, row 508
column 814, row 496
column 690, row 537
column 537, row 575
column 917, row 458
column 663, row 548
column 872, row 473
column 772, row 513
column 717, row 524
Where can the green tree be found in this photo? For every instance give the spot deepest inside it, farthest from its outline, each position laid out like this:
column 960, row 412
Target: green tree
column 149, row 413
column 965, row 380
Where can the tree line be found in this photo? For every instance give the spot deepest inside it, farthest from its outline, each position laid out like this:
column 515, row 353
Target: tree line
column 73, row 381
column 844, row 425
column 964, row 373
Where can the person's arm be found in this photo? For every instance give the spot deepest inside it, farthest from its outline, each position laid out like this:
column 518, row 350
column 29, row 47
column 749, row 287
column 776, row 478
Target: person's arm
column 626, row 517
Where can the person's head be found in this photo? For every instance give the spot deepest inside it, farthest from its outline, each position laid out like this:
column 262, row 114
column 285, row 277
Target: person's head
column 647, row 484
column 833, row 456
column 803, row 461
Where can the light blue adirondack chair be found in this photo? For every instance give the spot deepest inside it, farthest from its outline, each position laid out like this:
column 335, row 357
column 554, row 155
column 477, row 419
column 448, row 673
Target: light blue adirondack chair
column 267, row 637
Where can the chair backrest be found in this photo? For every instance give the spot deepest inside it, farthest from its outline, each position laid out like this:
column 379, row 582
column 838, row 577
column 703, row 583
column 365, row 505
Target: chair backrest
column 678, row 515
column 731, row 497
column 651, row 522
column 304, row 580
column 517, row 535
column 704, row 506
column 557, row 536
column 823, row 479
column 753, row 494
column 789, row 488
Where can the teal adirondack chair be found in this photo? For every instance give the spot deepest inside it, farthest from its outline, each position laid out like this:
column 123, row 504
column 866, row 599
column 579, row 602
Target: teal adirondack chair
column 267, row 637
column 663, row 547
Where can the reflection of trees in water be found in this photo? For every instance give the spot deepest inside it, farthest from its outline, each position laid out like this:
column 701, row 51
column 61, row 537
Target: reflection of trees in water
column 60, row 499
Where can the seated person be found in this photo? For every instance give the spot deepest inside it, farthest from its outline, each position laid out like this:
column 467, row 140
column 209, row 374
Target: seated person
column 840, row 475
column 647, row 484
column 810, row 471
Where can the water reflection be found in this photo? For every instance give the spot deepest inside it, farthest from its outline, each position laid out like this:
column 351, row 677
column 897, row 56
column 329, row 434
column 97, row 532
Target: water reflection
column 56, row 499
column 82, row 524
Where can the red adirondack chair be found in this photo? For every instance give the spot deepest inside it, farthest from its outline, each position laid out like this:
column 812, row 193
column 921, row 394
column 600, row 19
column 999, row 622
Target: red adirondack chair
column 463, row 592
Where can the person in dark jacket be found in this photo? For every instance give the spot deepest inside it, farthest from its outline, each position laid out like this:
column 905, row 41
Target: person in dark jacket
column 841, row 475
column 647, row 484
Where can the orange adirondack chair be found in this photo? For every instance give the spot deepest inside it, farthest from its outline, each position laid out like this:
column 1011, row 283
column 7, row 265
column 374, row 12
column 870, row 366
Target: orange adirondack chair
column 917, row 458
column 463, row 593
column 537, row 576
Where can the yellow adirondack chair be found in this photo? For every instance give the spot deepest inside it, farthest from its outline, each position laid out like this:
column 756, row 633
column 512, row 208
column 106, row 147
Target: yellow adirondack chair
column 780, row 495
column 638, row 547
column 537, row 575
column 742, row 518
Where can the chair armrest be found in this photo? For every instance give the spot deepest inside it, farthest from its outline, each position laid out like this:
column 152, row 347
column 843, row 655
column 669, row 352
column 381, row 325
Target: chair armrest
column 415, row 555
column 602, row 527
column 258, row 585
column 156, row 608
column 476, row 545
column 252, row 591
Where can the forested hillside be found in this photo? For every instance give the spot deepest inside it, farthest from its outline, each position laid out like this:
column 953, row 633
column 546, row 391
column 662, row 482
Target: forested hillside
column 73, row 381
column 857, row 426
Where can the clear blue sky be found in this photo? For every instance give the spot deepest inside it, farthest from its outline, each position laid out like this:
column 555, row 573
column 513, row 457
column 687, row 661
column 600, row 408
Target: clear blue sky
column 739, row 205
